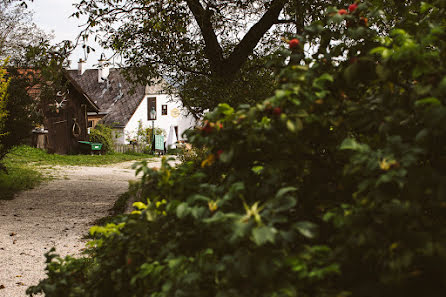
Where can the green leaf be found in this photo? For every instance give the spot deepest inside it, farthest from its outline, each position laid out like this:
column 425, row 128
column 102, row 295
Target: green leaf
column 428, row 101
column 322, row 94
column 382, row 51
column 352, row 144
column 182, row 210
column 425, row 7
column 139, row 205
column 290, row 125
column 225, row 109
column 319, row 82
column 282, row 192
column 257, row 169
column 263, row 235
column 307, row 229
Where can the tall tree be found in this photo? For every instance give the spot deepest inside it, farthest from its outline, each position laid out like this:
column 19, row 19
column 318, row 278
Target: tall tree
column 17, row 31
column 212, row 51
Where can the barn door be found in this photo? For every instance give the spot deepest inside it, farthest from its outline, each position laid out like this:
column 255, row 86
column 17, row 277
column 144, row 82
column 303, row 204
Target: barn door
column 58, row 134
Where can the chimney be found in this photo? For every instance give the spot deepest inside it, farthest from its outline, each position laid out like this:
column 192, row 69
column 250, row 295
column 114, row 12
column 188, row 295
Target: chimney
column 103, row 69
column 80, row 67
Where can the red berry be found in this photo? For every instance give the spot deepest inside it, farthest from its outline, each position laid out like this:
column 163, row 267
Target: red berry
column 342, row 11
column 219, row 152
column 277, row 111
column 129, row 261
column 352, row 7
column 293, row 43
column 220, row 125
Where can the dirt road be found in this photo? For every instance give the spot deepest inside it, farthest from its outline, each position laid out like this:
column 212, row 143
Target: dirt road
column 56, row 214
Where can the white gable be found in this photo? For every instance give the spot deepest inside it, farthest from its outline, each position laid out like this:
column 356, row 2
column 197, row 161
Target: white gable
column 176, row 116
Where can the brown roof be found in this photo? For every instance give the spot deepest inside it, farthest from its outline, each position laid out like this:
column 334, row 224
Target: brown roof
column 35, row 90
column 118, row 98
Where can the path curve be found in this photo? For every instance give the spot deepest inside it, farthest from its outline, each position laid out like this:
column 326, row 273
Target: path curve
column 55, row 214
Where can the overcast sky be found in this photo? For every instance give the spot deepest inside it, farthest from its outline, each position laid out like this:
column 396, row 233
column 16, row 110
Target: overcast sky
column 54, row 16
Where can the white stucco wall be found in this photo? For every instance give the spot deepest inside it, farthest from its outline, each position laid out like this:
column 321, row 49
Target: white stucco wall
column 118, row 135
column 162, row 121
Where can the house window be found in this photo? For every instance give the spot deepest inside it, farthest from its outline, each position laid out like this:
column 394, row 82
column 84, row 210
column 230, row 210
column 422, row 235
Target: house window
column 164, row 109
column 151, row 106
column 90, row 124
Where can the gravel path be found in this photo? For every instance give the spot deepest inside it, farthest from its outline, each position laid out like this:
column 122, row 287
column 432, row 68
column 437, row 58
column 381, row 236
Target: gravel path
column 55, row 214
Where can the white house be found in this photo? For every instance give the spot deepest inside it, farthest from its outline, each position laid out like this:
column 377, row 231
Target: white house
column 168, row 112
column 124, row 106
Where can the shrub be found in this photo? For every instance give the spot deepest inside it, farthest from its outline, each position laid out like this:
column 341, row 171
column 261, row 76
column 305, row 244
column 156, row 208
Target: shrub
column 189, row 153
column 104, row 135
column 3, row 112
column 333, row 187
column 17, row 109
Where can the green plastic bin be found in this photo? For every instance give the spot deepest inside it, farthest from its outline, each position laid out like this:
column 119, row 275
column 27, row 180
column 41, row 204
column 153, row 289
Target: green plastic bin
column 91, row 146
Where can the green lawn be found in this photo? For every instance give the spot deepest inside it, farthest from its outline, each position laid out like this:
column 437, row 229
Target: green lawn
column 23, row 162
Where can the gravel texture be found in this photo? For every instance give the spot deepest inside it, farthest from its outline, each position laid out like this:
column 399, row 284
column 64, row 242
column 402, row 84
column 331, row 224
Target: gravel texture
column 55, row 214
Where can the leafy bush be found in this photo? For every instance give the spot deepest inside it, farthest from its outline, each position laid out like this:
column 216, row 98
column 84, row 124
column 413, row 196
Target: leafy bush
column 143, row 134
column 17, row 109
column 189, row 153
column 4, row 83
column 104, row 135
column 335, row 186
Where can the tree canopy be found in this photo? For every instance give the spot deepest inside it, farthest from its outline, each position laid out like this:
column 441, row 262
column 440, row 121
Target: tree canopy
column 203, row 48
column 17, row 31
column 207, row 49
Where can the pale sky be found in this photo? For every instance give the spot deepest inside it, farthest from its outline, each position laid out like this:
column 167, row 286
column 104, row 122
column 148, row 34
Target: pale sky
column 54, row 15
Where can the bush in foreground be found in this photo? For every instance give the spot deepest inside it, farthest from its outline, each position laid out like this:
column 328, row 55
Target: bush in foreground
column 333, row 187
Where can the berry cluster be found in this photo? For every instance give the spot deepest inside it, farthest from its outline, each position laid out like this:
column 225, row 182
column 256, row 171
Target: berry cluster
column 363, row 21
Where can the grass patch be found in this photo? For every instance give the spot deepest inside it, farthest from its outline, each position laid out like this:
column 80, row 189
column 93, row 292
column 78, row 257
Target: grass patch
column 23, row 164
column 17, row 179
column 25, row 155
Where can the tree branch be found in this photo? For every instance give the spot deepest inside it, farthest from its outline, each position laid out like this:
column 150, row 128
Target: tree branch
column 213, row 50
column 285, row 21
column 246, row 46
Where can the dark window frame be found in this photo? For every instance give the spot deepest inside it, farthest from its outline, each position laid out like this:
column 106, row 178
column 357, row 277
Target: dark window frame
column 151, row 101
column 164, row 109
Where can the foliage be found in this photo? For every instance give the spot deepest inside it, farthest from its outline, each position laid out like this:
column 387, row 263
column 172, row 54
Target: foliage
column 143, row 134
column 334, row 186
column 20, row 176
column 103, row 134
column 211, row 51
column 4, row 83
column 23, row 114
column 188, row 153
column 18, row 31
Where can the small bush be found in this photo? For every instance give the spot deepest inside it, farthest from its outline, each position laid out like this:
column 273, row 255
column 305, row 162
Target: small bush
column 188, row 153
column 104, row 135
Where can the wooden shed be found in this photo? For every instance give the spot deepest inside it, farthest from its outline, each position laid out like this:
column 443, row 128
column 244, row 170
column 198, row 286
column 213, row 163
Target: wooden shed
column 69, row 124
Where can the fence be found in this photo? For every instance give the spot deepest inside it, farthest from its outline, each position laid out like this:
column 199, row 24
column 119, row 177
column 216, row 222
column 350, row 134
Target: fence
column 131, row 148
